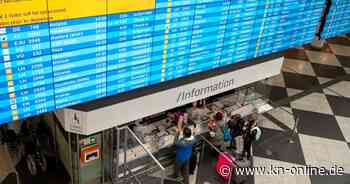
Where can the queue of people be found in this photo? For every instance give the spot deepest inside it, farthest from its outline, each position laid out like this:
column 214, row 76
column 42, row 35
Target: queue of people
column 232, row 134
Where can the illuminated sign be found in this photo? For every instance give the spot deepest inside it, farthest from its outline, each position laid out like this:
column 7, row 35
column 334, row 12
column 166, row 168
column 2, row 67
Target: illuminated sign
column 58, row 53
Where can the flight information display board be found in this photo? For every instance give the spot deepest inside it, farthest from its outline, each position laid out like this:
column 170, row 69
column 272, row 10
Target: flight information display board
column 56, row 54
column 337, row 20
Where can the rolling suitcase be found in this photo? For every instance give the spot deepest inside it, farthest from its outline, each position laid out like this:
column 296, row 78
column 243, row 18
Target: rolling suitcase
column 224, row 165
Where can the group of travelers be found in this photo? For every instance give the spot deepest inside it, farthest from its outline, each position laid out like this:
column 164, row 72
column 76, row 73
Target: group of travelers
column 233, row 134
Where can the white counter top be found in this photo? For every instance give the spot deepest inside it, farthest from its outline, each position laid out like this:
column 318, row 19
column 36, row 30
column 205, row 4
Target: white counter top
column 158, row 143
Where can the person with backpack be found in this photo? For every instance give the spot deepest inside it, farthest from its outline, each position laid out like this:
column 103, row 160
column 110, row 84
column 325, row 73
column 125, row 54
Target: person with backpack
column 234, row 129
column 251, row 133
column 184, row 146
column 220, row 131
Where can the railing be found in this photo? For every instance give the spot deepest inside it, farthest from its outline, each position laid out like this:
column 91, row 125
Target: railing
column 263, row 93
column 206, row 171
column 249, row 96
column 133, row 161
column 129, row 168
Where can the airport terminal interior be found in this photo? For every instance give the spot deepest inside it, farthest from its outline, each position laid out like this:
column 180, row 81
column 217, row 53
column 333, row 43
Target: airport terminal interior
column 175, row 92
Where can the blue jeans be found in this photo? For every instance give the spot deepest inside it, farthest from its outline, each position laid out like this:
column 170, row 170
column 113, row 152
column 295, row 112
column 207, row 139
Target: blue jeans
column 183, row 168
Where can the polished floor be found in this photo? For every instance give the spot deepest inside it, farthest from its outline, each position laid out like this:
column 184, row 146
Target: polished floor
column 313, row 93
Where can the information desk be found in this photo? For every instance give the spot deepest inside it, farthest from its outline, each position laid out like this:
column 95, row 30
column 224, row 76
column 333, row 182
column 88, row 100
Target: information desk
column 54, row 54
column 166, row 136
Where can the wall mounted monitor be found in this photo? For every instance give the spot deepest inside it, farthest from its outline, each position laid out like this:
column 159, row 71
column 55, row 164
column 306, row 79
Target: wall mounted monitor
column 55, row 54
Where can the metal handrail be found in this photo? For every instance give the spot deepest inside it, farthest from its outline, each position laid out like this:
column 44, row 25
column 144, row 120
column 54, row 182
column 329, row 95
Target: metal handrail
column 210, row 144
column 213, row 146
column 217, row 150
column 295, row 117
column 145, row 148
column 273, row 103
column 149, row 153
column 283, row 109
column 278, row 106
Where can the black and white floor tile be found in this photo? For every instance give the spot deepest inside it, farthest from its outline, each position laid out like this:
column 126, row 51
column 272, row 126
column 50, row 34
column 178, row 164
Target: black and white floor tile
column 267, row 122
column 298, row 66
column 339, row 49
column 323, row 80
column 274, row 145
column 296, row 53
column 347, row 70
column 322, row 117
column 328, row 71
column 323, row 58
column 315, row 102
column 339, row 105
column 323, row 152
column 344, row 179
column 318, row 124
column 278, row 179
column 344, row 60
column 305, row 68
column 344, row 126
column 339, row 89
column 322, row 140
column 284, row 116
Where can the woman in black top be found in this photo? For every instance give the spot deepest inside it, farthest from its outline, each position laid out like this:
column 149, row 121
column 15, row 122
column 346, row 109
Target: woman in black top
column 236, row 129
column 248, row 137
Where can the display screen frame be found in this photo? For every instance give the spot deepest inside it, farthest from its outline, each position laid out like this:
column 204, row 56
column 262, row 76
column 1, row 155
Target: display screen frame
column 156, row 88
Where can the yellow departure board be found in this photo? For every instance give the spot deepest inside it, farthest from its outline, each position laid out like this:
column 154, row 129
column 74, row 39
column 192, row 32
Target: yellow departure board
column 70, row 9
column 20, row 12
column 122, row 6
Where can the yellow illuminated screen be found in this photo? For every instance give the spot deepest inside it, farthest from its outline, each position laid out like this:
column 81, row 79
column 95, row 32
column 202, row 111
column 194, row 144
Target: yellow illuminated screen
column 20, row 12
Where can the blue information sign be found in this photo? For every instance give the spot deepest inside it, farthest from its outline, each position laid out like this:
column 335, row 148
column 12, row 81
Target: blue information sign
column 47, row 66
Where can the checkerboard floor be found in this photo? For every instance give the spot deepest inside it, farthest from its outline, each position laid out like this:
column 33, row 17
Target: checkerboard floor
column 306, row 68
column 314, row 91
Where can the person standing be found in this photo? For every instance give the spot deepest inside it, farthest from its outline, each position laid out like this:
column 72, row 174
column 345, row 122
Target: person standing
column 184, row 147
column 235, row 129
column 250, row 135
column 217, row 128
column 195, row 113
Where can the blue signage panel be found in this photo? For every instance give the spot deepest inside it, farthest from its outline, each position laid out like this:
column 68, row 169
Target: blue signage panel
column 47, row 66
